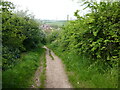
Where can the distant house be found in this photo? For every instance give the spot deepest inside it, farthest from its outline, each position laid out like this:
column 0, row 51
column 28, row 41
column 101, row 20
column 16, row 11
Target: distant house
column 46, row 27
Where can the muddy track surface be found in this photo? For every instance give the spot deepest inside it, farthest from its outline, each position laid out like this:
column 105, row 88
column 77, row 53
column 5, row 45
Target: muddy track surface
column 55, row 73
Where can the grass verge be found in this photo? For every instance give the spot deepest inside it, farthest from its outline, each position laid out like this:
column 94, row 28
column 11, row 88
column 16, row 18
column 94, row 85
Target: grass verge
column 51, row 55
column 84, row 74
column 43, row 73
column 22, row 74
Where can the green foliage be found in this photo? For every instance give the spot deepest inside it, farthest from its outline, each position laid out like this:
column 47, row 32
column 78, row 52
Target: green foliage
column 19, row 33
column 84, row 74
column 21, row 76
column 52, row 36
column 95, row 36
column 43, row 73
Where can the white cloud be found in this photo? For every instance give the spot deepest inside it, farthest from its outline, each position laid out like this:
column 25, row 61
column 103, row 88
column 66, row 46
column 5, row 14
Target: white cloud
column 48, row 9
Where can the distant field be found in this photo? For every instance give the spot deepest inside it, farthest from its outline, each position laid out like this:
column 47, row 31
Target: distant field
column 54, row 22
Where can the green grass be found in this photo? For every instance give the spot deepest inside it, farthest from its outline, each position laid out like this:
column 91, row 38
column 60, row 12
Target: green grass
column 43, row 73
column 51, row 55
column 22, row 74
column 84, row 74
column 58, row 22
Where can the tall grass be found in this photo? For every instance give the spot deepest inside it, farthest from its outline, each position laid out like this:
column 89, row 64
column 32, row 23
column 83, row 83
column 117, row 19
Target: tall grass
column 22, row 74
column 84, row 74
column 43, row 73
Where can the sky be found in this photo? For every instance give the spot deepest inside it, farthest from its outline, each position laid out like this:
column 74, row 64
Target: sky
column 49, row 9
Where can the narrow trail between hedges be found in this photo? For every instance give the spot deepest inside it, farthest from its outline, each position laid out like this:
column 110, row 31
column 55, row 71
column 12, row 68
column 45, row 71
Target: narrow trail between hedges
column 55, row 73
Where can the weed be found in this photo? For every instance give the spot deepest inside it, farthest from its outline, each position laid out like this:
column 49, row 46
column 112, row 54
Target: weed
column 83, row 74
column 51, row 55
column 22, row 74
column 43, row 73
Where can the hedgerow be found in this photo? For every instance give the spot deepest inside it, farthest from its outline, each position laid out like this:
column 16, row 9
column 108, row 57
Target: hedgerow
column 95, row 35
column 19, row 34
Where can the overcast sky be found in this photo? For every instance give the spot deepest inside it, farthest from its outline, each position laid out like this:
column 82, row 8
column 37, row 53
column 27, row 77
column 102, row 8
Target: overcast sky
column 49, row 9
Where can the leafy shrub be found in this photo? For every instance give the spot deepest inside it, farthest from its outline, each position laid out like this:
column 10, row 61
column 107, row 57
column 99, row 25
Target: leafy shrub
column 19, row 33
column 21, row 76
column 89, row 46
column 95, row 35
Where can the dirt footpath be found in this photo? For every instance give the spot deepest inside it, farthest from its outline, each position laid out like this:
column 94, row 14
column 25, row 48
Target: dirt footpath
column 55, row 74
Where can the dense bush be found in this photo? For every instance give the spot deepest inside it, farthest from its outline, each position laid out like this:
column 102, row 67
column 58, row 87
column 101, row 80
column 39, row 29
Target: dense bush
column 52, row 36
column 89, row 46
column 95, row 35
column 23, row 73
column 19, row 33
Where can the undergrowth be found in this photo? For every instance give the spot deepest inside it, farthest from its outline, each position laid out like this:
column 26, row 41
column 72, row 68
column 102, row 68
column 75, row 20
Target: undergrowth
column 43, row 73
column 51, row 55
column 84, row 74
column 22, row 74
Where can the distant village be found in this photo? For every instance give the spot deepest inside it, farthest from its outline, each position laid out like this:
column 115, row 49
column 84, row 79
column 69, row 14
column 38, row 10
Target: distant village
column 48, row 27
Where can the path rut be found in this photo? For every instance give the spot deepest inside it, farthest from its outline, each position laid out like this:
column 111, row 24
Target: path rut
column 55, row 73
